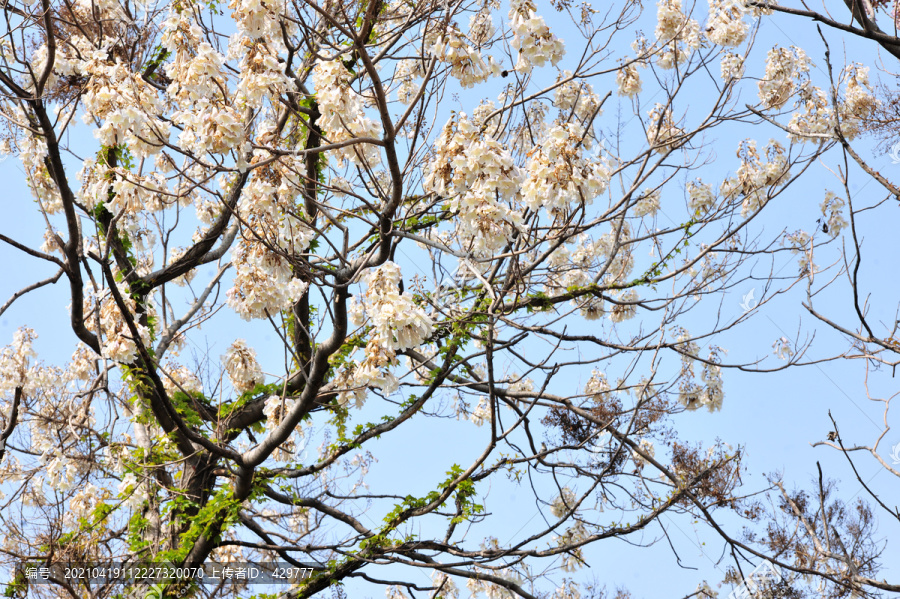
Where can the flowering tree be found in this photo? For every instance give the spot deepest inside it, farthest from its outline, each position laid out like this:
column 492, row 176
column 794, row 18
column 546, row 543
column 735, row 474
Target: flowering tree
column 539, row 276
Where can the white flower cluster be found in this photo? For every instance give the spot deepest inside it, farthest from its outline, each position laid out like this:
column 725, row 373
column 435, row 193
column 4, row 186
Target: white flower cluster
column 701, row 197
column 532, row 38
column 832, row 206
column 264, row 281
column 576, row 98
column 646, row 445
column 133, row 491
column 405, row 76
column 704, row 591
column 563, row 503
column 209, row 122
column 275, row 409
column 262, row 76
column 670, row 20
column 116, row 341
column 817, row 119
column 15, row 360
column 799, row 243
column 83, row 365
column 127, row 106
column 181, row 378
column 82, row 506
column 574, row 268
column 483, row 412
column 755, row 177
column 466, row 63
column 32, row 151
column 395, row 592
column 481, row 24
column 299, row 521
column 241, row 366
column 713, row 269
column 732, row 66
column 397, row 324
column 591, row 307
column 209, row 127
column 350, row 389
column 597, row 388
column 532, row 128
column 343, row 116
column 558, row 173
column 662, row 132
column 726, row 25
column 492, row 590
column 70, row 55
column 859, row 103
column 574, row 535
column 647, row 204
column 568, row 590
column 61, row 472
column 617, row 253
column 226, row 553
column 677, row 33
column 445, row 585
column 196, row 68
column 59, row 420
column 625, row 307
column 520, row 385
column 782, row 348
column 181, row 35
column 479, row 176
column 628, row 80
column 132, row 193
column 260, row 19
column 691, row 395
column 785, row 70
column 712, row 394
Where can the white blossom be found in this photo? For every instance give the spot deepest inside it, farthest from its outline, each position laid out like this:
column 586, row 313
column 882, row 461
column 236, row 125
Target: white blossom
column 560, row 175
column 662, row 132
column 726, row 25
column 647, row 204
column 628, row 80
column 482, row 412
column 732, row 66
column 625, row 308
column 564, row 503
column 832, row 206
column 702, row 199
column 532, row 37
column 241, row 366
column 132, row 491
column 576, row 98
column 676, row 32
column 785, row 69
column 756, row 176
column 447, row 589
column 646, row 446
column 782, row 348
column 480, row 176
column 343, row 117
column 466, row 63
